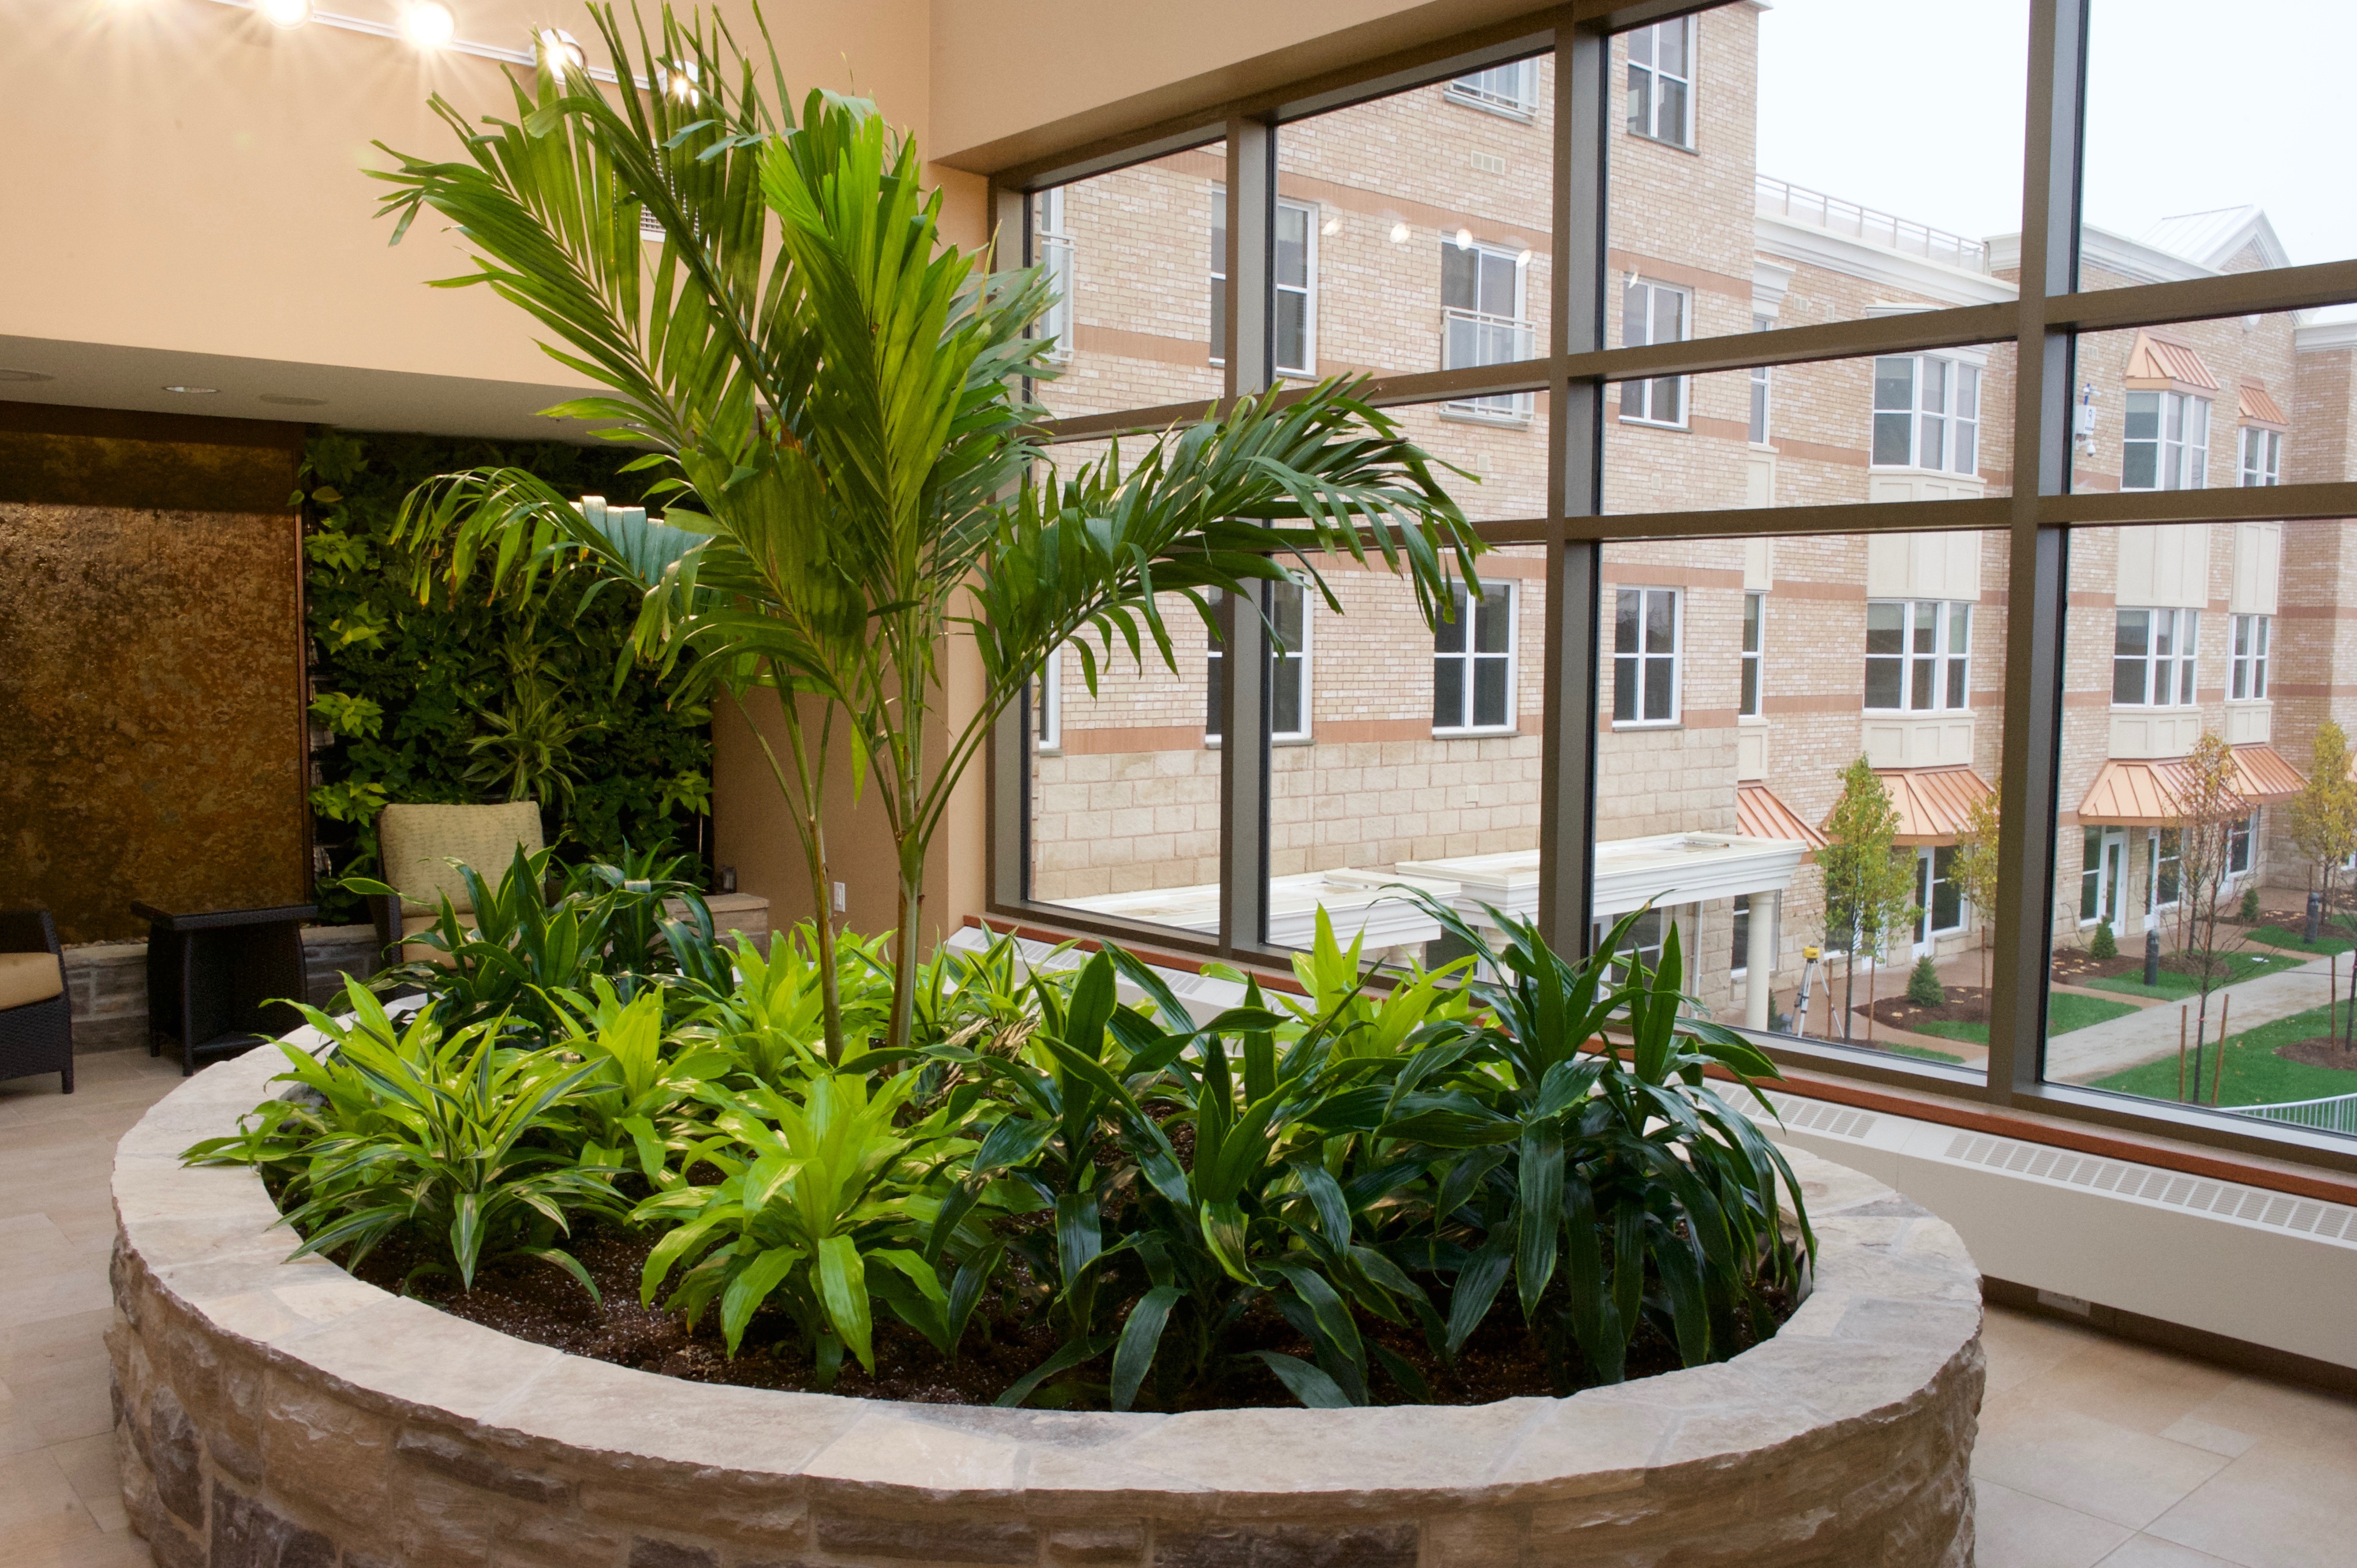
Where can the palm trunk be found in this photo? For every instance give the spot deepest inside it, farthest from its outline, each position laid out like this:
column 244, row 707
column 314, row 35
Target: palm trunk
column 810, row 826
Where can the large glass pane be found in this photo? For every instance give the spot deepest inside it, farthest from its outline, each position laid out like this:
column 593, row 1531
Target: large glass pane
column 1421, row 223
column 2205, row 826
column 1764, row 173
column 2191, row 406
column 1891, row 427
column 2162, row 203
column 1798, row 756
column 1419, row 767
column 1140, row 255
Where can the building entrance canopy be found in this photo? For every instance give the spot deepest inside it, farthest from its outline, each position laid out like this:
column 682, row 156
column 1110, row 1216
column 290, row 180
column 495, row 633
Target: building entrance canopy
column 2146, row 794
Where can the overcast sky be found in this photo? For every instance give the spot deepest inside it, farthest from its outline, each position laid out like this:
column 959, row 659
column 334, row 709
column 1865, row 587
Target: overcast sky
column 1915, row 106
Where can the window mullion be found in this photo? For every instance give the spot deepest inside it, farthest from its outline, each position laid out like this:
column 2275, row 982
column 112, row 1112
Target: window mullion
column 1249, row 352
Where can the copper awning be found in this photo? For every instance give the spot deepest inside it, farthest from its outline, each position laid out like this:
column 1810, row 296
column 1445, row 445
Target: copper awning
column 2144, row 794
column 1935, row 804
column 1760, row 814
column 2156, row 362
column 2258, row 408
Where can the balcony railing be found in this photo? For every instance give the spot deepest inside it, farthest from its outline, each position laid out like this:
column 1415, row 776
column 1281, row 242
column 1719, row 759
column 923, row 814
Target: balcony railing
column 1782, row 198
column 1469, row 337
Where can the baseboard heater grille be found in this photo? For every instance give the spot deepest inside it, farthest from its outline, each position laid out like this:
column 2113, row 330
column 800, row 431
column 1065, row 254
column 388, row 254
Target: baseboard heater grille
column 2330, row 1221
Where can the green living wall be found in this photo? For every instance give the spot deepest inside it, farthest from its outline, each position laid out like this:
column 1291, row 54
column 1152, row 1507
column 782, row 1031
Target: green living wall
column 469, row 699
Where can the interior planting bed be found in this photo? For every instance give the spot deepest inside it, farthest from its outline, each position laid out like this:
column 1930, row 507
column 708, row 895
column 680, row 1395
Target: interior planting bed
column 288, row 1414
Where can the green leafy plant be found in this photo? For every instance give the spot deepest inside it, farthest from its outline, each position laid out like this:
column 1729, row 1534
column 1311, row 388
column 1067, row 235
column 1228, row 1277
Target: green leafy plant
column 2248, row 910
column 1923, row 987
column 2103, row 944
column 834, row 401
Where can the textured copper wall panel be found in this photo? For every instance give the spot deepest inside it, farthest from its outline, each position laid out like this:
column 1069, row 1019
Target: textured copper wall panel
column 150, row 716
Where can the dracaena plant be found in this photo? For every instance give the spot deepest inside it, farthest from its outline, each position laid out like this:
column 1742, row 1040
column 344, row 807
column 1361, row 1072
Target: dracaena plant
column 835, row 400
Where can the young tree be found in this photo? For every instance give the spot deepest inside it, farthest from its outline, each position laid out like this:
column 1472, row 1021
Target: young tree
column 835, row 403
column 2324, row 813
column 1869, row 885
column 1973, row 871
column 2208, row 807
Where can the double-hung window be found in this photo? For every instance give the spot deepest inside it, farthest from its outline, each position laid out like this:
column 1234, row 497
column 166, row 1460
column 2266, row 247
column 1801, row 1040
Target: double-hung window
column 1759, row 389
column 1645, row 656
column 1289, row 696
column 1053, row 251
column 1919, row 654
column 2152, row 658
column 1654, row 313
column 1048, row 695
column 2246, row 676
column 1661, row 81
column 1739, row 950
column 2261, row 456
column 2164, row 864
column 1297, row 284
column 1512, row 89
column 1927, row 413
column 1755, row 614
column 2239, row 835
column 1481, row 321
column 1474, row 662
column 2165, row 442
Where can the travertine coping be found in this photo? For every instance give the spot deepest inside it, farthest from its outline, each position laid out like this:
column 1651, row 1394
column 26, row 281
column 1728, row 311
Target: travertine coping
column 287, row 1414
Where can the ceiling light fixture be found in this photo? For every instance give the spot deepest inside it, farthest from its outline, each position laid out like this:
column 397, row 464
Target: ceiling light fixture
column 9, row 375
column 284, row 13
column 193, row 391
column 284, row 401
column 428, row 23
column 558, row 46
column 679, row 79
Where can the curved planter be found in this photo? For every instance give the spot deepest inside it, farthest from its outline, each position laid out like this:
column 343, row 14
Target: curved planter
column 287, row 1415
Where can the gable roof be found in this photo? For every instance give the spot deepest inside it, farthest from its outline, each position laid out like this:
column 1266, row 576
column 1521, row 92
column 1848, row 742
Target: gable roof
column 2152, row 360
column 2218, row 236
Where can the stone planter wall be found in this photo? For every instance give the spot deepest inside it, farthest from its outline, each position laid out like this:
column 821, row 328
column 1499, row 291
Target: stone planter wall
column 286, row 1415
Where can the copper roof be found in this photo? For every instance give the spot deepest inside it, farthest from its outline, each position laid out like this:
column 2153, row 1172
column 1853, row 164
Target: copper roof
column 1935, row 804
column 2152, row 359
column 2258, row 408
column 1760, row 814
column 2144, row 794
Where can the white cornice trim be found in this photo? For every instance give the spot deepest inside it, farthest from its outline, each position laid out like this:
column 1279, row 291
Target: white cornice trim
column 2131, row 259
column 2324, row 335
column 1815, row 247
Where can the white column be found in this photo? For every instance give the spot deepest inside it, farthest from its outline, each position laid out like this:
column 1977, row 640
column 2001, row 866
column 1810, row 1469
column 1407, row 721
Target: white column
column 1760, row 980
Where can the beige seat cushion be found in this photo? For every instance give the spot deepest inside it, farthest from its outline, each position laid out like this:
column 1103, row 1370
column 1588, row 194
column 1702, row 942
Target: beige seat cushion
column 416, row 844
column 28, row 977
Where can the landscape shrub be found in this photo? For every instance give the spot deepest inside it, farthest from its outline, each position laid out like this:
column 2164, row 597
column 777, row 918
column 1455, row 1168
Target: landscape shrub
column 1923, row 987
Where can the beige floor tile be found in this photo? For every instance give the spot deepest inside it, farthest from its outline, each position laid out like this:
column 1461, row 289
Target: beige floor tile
column 37, row 1506
column 2129, row 1385
column 30, row 1346
column 2090, row 1465
column 2195, row 1432
column 2281, row 1412
column 2150, row 1552
column 66, row 1402
column 90, row 1467
column 115, row 1549
column 2019, row 1345
column 2015, row 1530
column 2282, row 1505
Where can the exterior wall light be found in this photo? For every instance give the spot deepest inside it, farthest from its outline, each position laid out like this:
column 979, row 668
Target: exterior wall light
column 1333, row 225
column 1465, row 239
column 1399, row 233
column 561, row 48
column 284, row 13
column 428, row 23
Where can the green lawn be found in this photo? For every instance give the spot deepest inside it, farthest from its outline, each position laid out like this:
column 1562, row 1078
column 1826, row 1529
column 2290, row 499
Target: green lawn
column 2255, row 1074
column 1928, row 1053
column 2276, row 936
column 2173, row 986
column 2064, row 1013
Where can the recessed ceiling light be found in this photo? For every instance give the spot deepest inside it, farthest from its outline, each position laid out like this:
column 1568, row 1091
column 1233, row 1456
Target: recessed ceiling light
column 194, row 391
column 8, row 375
column 285, row 401
column 428, row 23
column 284, row 13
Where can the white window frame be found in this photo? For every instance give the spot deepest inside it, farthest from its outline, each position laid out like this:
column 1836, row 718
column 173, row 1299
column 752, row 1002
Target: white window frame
column 1053, row 251
column 1649, row 391
column 1763, row 406
column 2153, row 861
column 1307, row 289
column 1504, row 408
column 1928, row 414
column 2247, row 662
column 1653, row 76
column 1927, row 882
column 1739, row 936
column 1511, row 89
column 1751, row 682
column 2242, row 836
column 2179, row 462
column 1301, row 661
column 1641, row 658
column 1950, row 667
column 2184, row 627
column 1048, row 716
column 2262, row 456
column 1470, row 659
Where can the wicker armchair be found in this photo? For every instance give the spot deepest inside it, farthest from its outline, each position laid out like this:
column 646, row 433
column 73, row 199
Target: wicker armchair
column 416, row 844
column 36, row 1023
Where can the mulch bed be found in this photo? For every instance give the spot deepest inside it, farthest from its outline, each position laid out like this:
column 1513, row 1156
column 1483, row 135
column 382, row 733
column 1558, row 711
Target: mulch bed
column 2074, row 966
column 540, row 1302
column 2319, row 1050
column 1966, row 1005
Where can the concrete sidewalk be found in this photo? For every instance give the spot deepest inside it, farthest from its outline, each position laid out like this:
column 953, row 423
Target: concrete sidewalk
column 2151, row 1033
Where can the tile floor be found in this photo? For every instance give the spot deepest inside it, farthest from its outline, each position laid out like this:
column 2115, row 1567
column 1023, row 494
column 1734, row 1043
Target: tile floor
column 2093, row 1450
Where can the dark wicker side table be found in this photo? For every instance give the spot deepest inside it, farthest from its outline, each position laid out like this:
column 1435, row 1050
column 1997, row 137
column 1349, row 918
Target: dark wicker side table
column 213, row 974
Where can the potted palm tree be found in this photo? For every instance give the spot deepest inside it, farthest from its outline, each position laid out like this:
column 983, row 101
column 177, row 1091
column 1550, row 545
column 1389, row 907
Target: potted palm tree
column 835, row 406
